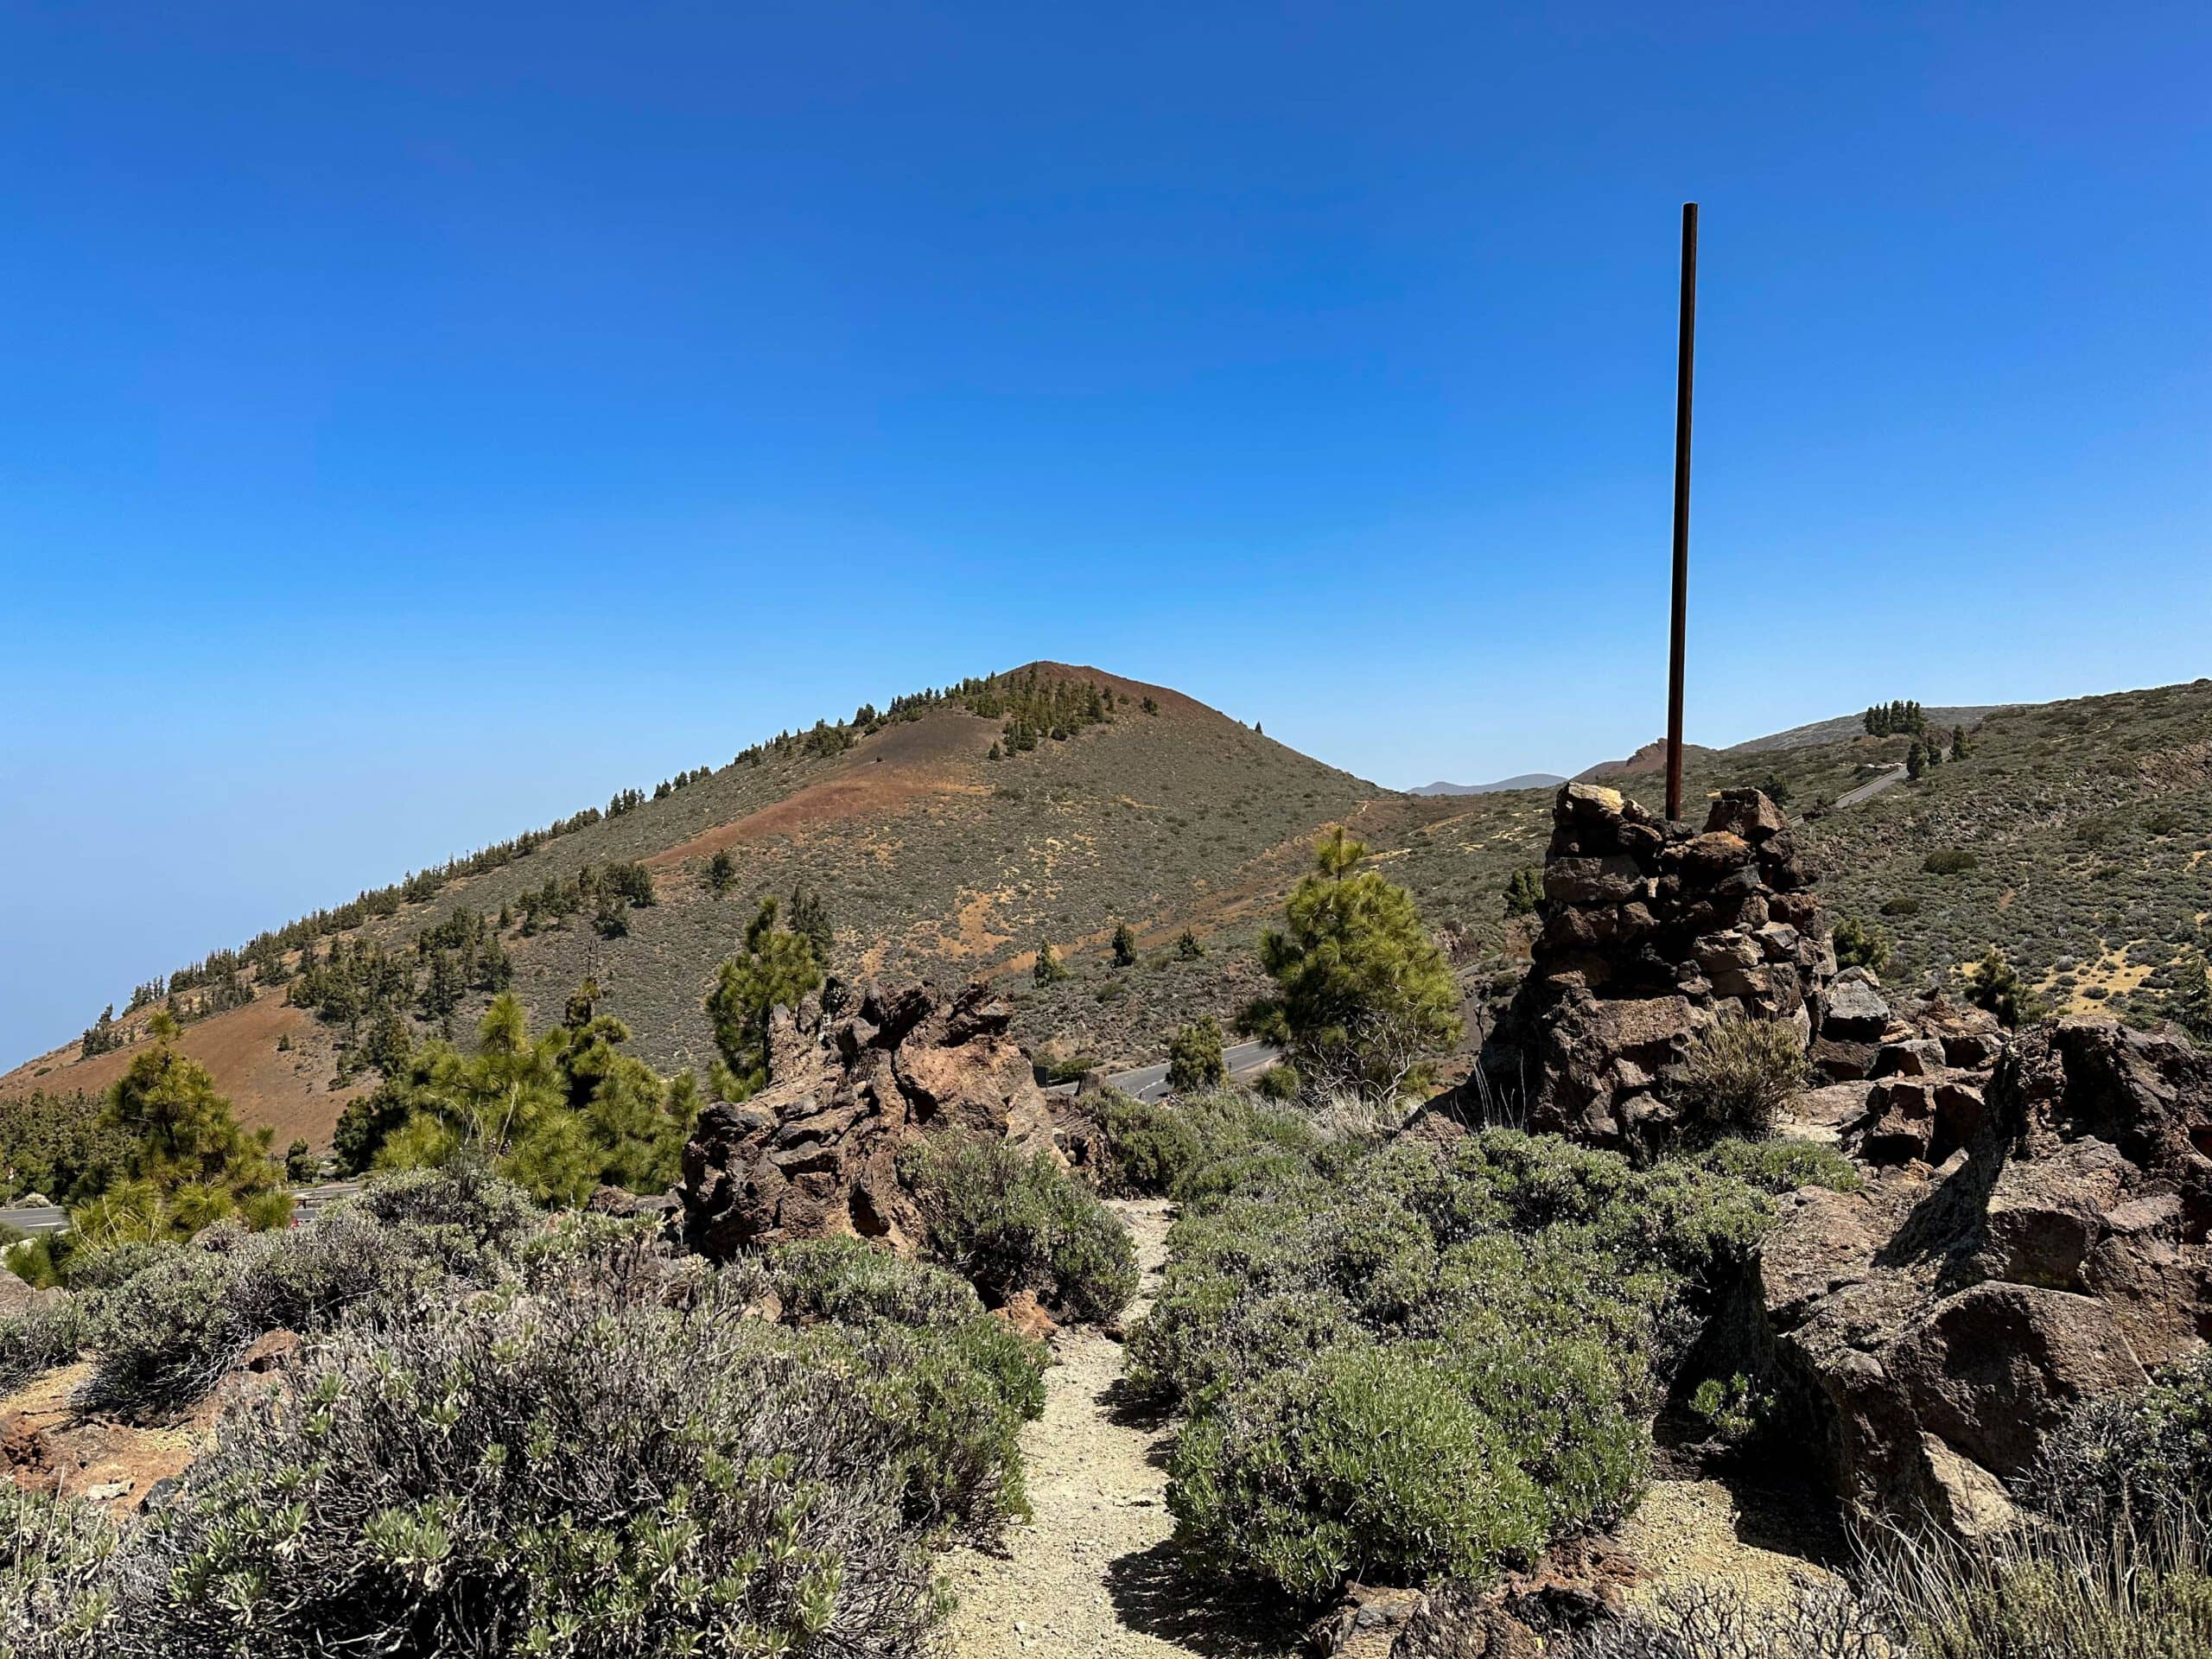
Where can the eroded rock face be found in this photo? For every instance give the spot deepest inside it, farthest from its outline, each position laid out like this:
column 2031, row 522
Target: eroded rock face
column 815, row 1152
column 1652, row 930
column 1933, row 1329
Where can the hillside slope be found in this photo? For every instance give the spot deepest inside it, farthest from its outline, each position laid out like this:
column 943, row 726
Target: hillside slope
column 933, row 859
column 2089, row 823
column 2085, row 826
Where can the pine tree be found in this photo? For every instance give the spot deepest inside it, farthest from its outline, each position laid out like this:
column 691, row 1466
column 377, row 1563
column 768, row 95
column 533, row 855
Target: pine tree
column 810, row 921
column 1187, row 948
column 1995, row 985
column 1959, row 749
column 722, row 873
column 1916, row 760
column 1125, row 946
column 1196, row 1059
column 1524, row 890
column 1049, row 969
column 1364, row 998
column 775, row 968
column 1858, row 944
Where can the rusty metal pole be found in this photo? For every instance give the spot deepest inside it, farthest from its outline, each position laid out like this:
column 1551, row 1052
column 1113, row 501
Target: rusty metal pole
column 1687, row 354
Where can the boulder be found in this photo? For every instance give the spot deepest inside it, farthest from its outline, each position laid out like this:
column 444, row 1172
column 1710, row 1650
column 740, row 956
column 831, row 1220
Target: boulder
column 1931, row 1330
column 815, row 1152
column 1854, row 1011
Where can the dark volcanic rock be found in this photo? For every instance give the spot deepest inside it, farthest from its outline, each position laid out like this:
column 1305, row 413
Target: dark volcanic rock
column 815, row 1152
column 1652, row 931
column 1934, row 1328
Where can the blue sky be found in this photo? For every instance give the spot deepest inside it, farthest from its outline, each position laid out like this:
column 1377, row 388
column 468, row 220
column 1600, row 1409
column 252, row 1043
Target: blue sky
column 420, row 421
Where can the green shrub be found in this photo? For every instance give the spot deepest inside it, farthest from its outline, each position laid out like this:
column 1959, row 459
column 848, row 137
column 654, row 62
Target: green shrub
column 1195, row 1058
column 1521, row 1280
column 1948, row 860
column 1149, row 1146
column 1737, row 1075
column 1011, row 1221
column 1732, row 1409
column 1364, row 1463
column 1860, row 944
column 1279, row 1082
column 572, row 1475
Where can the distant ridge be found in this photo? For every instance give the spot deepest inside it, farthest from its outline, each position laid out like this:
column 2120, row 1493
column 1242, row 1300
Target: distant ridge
column 1846, row 727
column 1651, row 757
column 1525, row 780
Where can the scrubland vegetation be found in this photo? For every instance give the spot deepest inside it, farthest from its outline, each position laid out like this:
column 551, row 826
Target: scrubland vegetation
column 1400, row 1363
column 517, row 1435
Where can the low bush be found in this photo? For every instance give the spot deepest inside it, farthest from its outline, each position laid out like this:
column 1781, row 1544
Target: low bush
column 1011, row 1221
column 1737, row 1075
column 853, row 1282
column 1778, row 1166
column 1708, row 1621
column 165, row 1322
column 55, row 1560
column 1505, row 1310
column 1366, row 1464
column 1198, row 1143
column 1948, row 860
column 604, row 1453
column 38, row 1338
column 2145, row 1459
column 571, row 1475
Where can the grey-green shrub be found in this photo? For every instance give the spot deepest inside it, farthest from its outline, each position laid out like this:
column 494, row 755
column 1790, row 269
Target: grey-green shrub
column 37, row 1337
column 162, row 1337
column 954, row 1384
column 1489, row 1309
column 1011, row 1221
column 571, row 1475
column 1737, row 1075
column 2146, row 1458
column 56, row 1557
column 852, row 1281
column 1202, row 1143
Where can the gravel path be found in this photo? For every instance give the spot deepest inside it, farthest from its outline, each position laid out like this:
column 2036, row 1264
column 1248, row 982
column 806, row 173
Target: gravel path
column 1094, row 1574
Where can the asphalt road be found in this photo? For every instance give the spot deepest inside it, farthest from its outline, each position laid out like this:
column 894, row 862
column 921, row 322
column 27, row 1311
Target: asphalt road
column 1150, row 1082
column 1867, row 791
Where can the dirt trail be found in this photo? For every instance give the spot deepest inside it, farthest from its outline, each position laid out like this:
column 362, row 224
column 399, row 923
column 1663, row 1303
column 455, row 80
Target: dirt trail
column 1094, row 1575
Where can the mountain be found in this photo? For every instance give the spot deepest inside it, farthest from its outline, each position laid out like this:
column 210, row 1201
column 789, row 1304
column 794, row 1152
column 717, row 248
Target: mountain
column 1651, row 759
column 939, row 848
column 2085, row 829
column 1525, row 780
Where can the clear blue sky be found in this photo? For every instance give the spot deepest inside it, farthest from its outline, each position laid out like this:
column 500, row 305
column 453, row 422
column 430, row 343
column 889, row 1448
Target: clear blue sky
column 418, row 421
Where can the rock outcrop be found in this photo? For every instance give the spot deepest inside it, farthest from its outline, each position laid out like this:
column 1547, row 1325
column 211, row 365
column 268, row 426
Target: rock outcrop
column 1933, row 1329
column 815, row 1152
column 1653, row 930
